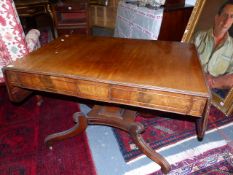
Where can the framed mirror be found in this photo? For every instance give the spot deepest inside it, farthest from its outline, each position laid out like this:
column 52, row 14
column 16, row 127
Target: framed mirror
column 202, row 18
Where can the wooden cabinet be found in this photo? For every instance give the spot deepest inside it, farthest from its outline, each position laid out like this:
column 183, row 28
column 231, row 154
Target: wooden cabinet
column 174, row 2
column 174, row 22
column 103, row 15
column 30, row 11
column 71, row 17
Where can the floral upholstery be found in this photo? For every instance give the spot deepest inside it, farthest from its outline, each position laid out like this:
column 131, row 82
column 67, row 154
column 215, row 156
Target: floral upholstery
column 13, row 43
column 32, row 40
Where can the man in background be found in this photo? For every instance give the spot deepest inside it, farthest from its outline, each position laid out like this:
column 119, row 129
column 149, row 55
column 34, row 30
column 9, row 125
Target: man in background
column 215, row 47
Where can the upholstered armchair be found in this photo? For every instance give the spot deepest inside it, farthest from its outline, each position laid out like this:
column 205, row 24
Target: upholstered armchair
column 14, row 44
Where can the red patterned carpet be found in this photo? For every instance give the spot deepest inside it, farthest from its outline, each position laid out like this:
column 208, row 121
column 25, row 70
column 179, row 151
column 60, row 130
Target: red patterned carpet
column 168, row 129
column 22, row 132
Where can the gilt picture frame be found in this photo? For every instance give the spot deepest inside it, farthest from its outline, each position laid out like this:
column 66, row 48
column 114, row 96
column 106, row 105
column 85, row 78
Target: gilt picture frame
column 193, row 20
column 202, row 18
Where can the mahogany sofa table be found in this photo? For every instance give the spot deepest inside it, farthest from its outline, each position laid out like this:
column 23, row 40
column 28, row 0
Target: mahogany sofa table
column 157, row 75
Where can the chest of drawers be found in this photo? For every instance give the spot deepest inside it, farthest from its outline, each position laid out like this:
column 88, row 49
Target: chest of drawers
column 71, row 17
column 30, row 11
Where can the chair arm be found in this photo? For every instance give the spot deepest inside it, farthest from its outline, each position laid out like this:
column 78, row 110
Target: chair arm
column 32, row 39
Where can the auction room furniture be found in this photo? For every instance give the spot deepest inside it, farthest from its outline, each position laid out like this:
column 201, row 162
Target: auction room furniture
column 103, row 13
column 71, row 16
column 29, row 10
column 174, row 22
column 123, row 74
column 14, row 44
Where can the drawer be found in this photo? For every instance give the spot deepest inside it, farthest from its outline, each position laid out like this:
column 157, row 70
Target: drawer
column 72, row 18
column 71, row 31
column 93, row 90
column 30, row 11
column 43, row 82
column 161, row 100
column 71, row 7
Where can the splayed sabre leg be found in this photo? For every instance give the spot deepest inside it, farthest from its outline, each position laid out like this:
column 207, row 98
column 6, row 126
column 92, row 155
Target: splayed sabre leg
column 114, row 117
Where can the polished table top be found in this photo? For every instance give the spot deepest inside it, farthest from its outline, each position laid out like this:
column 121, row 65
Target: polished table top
column 151, row 67
column 158, row 75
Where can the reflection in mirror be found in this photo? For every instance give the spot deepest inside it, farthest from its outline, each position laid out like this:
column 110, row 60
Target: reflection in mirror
column 208, row 29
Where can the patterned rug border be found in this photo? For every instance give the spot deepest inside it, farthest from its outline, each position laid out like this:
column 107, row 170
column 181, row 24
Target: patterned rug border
column 218, row 161
column 134, row 153
column 205, row 162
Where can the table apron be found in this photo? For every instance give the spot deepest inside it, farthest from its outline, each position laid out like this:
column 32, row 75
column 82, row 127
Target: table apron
column 112, row 93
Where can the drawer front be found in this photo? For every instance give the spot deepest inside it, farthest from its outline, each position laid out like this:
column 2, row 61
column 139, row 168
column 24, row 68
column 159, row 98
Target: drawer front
column 93, row 90
column 72, row 19
column 61, row 32
column 44, row 83
column 27, row 11
column 71, row 7
column 152, row 99
column 160, row 100
column 60, row 85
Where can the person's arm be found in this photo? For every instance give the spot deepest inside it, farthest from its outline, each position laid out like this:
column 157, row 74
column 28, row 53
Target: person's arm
column 220, row 82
